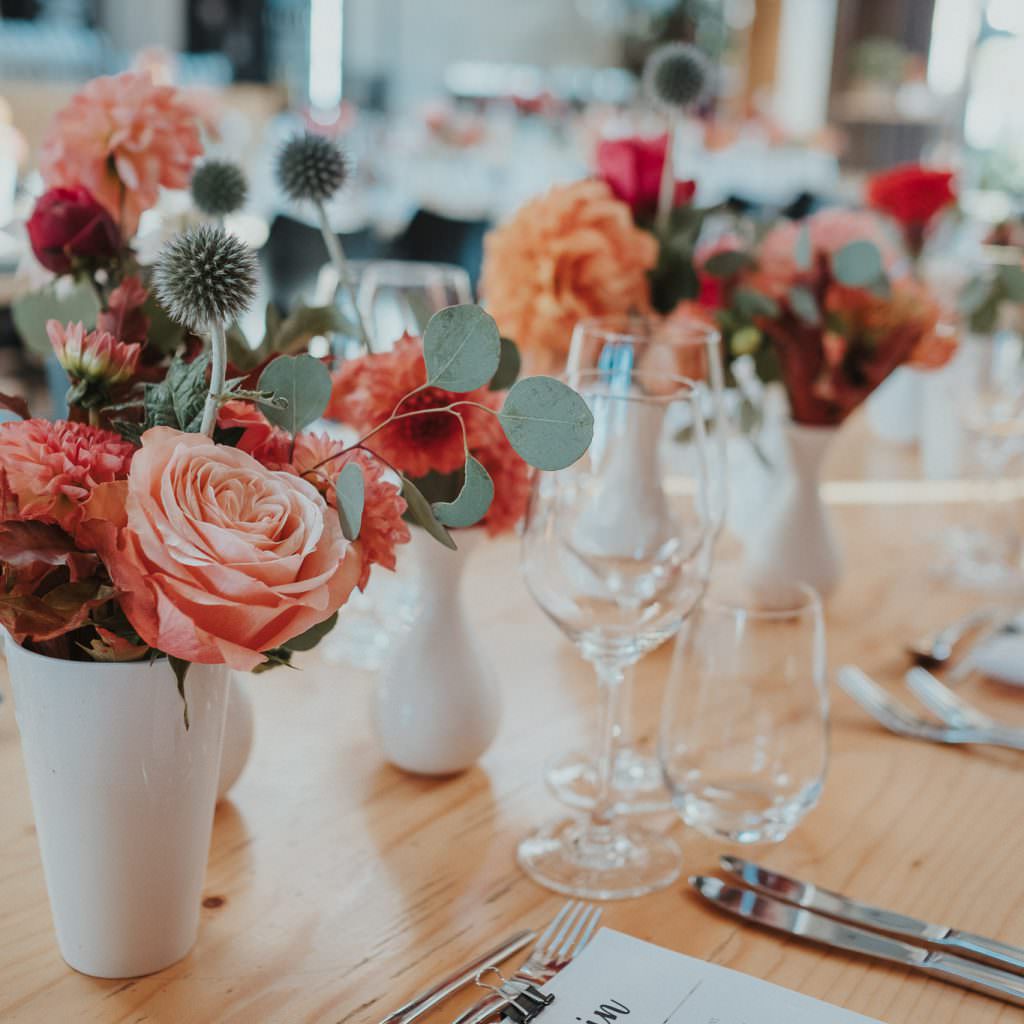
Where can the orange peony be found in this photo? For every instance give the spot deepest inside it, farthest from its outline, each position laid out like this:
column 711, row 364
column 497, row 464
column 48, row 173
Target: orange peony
column 50, row 469
column 122, row 137
column 217, row 558
column 571, row 253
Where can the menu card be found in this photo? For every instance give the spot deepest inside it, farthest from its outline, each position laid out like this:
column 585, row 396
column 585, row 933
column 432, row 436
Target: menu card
column 619, row 978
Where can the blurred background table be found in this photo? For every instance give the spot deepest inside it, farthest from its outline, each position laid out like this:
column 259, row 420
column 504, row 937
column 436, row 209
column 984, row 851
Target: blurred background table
column 337, row 886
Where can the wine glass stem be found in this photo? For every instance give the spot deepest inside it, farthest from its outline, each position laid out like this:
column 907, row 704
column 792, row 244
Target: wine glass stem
column 610, row 676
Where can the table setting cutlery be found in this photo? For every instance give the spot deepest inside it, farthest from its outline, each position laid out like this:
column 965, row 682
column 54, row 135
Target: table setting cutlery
column 817, row 915
column 939, row 647
column 950, row 706
column 897, row 718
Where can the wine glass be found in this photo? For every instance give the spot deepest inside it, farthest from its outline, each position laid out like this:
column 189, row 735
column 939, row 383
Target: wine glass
column 396, row 296
column 744, row 733
column 684, row 346
column 616, row 553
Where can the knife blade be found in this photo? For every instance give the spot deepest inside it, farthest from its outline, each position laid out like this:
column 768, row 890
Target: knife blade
column 772, row 913
column 459, row 978
column 803, row 894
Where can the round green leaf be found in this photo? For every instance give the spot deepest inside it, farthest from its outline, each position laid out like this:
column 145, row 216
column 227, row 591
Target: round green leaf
column 509, row 366
column 472, row 501
column 304, row 384
column 547, row 423
column 349, row 489
column 1012, row 278
column 804, row 254
column 857, row 264
column 461, row 348
column 803, row 303
column 418, row 511
column 728, row 263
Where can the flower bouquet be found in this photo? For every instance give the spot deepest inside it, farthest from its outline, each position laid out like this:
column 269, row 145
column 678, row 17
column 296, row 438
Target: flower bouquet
column 182, row 522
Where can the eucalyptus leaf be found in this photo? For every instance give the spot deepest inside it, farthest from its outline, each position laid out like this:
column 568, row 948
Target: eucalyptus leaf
column 1012, row 280
column 30, row 313
column 728, row 263
column 976, row 293
column 857, row 264
column 350, row 491
column 461, row 348
column 180, row 667
column 473, row 500
column 308, row 640
column 804, row 254
column 304, row 383
column 804, row 305
column 546, row 422
column 509, row 365
column 418, row 511
column 750, row 303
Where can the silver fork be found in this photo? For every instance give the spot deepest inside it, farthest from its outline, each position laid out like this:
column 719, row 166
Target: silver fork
column 570, row 930
column 951, row 707
column 897, row 718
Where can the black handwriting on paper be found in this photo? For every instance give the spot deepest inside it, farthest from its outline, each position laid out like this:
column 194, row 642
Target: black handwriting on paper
column 606, row 1013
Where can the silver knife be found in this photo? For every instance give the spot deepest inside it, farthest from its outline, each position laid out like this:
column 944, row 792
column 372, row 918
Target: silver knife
column 459, row 978
column 803, row 894
column 805, row 924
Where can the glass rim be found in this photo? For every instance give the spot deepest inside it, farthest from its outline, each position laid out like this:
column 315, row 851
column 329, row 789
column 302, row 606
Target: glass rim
column 674, row 332
column 687, row 389
column 804, row 599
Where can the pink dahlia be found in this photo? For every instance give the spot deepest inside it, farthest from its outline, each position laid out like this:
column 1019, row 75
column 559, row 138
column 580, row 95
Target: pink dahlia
column 122, row 137
column 96, row 357
column 52, row 468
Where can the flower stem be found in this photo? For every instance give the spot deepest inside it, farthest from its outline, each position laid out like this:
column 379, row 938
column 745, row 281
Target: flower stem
column 340, row 264
column 667, row 185
column 94, row 417
column 218, row 375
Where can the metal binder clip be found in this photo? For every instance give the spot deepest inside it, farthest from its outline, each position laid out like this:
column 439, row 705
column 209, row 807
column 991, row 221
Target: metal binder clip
column 522, row 1002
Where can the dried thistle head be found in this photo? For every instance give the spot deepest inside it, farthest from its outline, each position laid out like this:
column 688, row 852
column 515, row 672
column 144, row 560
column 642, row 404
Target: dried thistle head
column 219, row 188
column 205, row 276
column 310, row 167
column 676, row 75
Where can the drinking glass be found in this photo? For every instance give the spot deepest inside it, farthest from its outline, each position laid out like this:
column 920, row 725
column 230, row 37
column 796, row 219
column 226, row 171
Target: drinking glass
column 396, row 296
column 682, row 346
column 617, row 557
column 744, row 734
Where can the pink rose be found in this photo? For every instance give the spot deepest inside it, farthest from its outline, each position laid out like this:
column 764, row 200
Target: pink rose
column 217, row 558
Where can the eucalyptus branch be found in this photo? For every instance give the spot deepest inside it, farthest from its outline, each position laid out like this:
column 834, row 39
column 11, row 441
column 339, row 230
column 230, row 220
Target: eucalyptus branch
column 340, row 264
column 218, row 374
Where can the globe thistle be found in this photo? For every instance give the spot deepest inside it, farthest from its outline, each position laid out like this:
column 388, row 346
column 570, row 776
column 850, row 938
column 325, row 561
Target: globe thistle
column 205, row 277
column 219, row 188
column 311, row 167
column 676, row 75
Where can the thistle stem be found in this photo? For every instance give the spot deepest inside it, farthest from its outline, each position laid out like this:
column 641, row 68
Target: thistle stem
column 340, row 264
column 218, row 376
column 667, row 185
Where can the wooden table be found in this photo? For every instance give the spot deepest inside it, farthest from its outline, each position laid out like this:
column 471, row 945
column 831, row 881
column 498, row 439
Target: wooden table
column 338, row 886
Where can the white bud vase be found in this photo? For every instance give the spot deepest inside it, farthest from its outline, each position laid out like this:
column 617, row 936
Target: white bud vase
column 437, row 703
column 238, row 733
column 796, row 542
column 123, row 798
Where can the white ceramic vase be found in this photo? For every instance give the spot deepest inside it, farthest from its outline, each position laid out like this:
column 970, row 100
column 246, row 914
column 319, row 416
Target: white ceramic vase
column 238, row 733
column 795, row 542
column 895, row 408
column 437, row 703
column 123, row 799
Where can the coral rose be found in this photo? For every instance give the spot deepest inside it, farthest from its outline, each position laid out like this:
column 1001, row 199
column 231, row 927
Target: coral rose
column 217, row 558
column 51, row 468
column 123, row 137
column 571, row 253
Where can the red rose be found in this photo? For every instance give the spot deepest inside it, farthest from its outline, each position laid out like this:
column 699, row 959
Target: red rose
column 68, row 224
column 910, row 193
column 632, row 169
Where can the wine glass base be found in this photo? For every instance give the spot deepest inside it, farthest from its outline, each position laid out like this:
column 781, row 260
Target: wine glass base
column 637, row 783
column 616, row 863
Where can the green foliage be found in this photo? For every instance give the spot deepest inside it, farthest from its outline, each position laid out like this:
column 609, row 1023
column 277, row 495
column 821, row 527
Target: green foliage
column 308, row 640
column 804, row 252
column 858, row 265
column 301, row 389
column 674, row 277
column 509, row 365
column 804, row 305
column 30, row 313
column 288, row 335
column 750, row 303
column 473, row 500
column 350, row 491
column 461, row 348
column 177, row 401
column 180, row 669
column 420, row 513
column 984, row 296
column 546, row 422
column 729, row 263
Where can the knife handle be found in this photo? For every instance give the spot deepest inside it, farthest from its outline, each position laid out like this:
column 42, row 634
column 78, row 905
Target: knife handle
column 991, row 951
column 981, row 977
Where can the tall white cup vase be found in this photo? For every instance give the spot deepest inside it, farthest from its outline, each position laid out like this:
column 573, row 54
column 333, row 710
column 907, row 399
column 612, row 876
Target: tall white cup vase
column 437, row 704
column 123, row 799
column 238, row 733
column 796, row 542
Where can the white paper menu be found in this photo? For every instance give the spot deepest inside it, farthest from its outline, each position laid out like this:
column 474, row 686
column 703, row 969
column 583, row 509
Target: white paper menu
column 621, row 979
